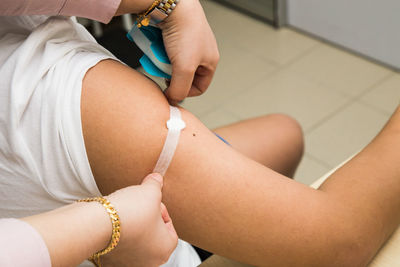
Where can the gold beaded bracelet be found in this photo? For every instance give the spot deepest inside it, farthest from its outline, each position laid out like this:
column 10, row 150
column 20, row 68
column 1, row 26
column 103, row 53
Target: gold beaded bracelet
column 116, row 228
column 157, row 12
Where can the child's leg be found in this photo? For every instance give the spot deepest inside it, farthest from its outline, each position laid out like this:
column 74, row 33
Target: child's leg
column 276, row 141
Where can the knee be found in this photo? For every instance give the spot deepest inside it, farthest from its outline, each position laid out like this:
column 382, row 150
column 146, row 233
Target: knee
column 292, row 133
column 289, row 138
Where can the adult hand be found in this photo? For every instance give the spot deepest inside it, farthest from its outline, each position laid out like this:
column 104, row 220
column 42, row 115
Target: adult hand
column 148, row 236
column 191, row 48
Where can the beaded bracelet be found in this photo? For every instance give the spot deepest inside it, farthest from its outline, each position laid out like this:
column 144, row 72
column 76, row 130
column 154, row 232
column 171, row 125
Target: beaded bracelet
column 116, row 228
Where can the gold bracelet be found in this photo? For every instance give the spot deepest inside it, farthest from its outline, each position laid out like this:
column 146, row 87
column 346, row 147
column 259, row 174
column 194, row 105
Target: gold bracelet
column 116, row 228
column 157, row 12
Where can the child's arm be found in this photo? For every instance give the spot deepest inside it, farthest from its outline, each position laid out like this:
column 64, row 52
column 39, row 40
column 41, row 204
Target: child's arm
column 75, row 232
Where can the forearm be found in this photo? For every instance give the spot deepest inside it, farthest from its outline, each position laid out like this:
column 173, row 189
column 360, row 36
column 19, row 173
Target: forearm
column 73, row 233
column 93, row 9
column 22, row 245
column 133, row 6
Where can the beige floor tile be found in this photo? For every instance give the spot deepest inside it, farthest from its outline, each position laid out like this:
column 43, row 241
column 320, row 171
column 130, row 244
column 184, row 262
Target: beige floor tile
column 385, row 96
column 310, row 170
column 288, row 93
column 237, row 71
column 278, row 46
column 344, row 134
column 339, row 70
column 227, row 22
column 218, row 118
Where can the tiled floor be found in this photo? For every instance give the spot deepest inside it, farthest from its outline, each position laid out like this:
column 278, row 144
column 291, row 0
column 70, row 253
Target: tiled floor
column 340, row 99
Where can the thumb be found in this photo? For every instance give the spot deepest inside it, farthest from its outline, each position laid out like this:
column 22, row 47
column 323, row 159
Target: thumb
column 167, row 220
column 181, row 82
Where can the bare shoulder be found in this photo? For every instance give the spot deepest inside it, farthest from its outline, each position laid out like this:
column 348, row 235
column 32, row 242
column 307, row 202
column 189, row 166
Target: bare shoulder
column 122, row 119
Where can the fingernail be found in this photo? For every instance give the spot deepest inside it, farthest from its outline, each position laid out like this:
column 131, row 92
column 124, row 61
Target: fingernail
column 157, row 177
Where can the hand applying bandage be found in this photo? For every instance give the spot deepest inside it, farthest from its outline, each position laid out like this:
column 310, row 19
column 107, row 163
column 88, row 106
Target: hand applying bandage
column 68, row 235
column 190, row 48
column 148, row 236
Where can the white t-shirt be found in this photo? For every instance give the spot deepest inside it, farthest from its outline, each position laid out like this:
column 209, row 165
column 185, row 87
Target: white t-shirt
column 43, row 161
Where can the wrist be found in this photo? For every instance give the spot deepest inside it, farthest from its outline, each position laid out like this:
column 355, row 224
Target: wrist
column 116, row 227
column 156, row 13
column 127, row 203
column 99, row 222
column 185, row 9
column 74, row 232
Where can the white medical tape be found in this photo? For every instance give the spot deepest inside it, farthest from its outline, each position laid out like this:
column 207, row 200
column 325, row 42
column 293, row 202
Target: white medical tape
column 174, row 125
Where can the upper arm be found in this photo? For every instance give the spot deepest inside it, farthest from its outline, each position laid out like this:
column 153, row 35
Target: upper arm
column 268, row 218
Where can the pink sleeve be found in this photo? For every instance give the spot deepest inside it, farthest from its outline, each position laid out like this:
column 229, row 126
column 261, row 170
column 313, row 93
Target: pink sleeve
column 21, row 245
column 101, row 10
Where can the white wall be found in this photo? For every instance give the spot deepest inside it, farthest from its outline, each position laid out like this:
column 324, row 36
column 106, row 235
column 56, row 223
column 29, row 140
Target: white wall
column 370, row 27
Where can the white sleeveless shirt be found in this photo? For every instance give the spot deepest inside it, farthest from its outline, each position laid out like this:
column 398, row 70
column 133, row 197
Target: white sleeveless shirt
column 43, row 161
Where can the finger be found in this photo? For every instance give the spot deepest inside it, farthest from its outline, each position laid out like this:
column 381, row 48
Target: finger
column 201, row 81
column 164, row 213
column 167, row 244
column 181, row 82
column 194, row 91
column 167, row 234
column 167, row 219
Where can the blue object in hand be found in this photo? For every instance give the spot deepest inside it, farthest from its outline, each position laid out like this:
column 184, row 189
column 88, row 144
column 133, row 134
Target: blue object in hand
column 155, row 60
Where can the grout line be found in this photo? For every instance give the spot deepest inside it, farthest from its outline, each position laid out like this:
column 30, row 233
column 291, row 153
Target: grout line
column 329, row 116
column 351, row 100
column 284, row 65
column 223, row 110
column 266, row 60
column 265, row 77
column 280, row 67
column 240, row 92
column 375, row 108
column 344, row 48
column 373, row 86
column 302, row 55
column 261, row 56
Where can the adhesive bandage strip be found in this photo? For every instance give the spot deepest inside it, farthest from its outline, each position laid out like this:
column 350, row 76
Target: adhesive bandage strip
column 175, row 125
